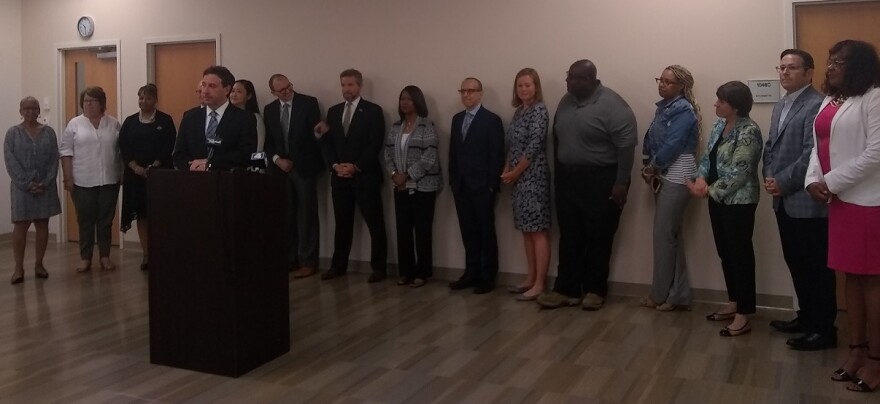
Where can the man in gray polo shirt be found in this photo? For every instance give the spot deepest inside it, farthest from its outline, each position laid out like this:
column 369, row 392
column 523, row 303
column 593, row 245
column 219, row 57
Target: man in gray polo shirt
column 594, row 139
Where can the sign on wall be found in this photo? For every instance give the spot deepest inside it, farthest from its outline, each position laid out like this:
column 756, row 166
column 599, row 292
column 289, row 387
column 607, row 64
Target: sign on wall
column 764, row 91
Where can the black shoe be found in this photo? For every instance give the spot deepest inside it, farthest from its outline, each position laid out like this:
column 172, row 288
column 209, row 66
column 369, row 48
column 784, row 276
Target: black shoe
column 813, row 342
column 789, row 327
column 376, row 276
column 462, row 283
column 483, row 289
column 332, row 273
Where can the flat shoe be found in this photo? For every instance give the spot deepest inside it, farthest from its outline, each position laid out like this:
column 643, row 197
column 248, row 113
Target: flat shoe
column 522, row 297
column 16, row 279
column 647, row 302
column 518, row 289
column 720, row 316
column 417, row 283
column 730, row 332
column 669, row 307
column 41, row 273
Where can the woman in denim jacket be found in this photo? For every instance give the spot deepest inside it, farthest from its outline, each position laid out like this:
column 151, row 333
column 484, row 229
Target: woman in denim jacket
column 728, row 176
column 669, row 148
column 411, row 160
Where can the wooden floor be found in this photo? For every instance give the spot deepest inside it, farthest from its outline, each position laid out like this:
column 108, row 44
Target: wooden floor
column 84, row 338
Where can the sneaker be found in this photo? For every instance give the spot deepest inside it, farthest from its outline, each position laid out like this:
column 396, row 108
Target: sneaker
column 555, row 300
column 592, row 302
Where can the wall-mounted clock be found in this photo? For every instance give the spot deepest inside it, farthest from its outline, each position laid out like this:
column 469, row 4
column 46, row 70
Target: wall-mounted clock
column 85, row 26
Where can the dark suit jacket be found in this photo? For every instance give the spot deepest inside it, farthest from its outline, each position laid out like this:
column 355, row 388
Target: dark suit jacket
column 476, row 162
column 361, row 146
column 237, row 131
column 787, row 154
column 304, row 150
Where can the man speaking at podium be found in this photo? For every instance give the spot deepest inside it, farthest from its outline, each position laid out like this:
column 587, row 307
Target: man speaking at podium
column 218, row 136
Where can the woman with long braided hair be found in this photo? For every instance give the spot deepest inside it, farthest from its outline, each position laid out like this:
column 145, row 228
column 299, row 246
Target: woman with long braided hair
column 670, row 146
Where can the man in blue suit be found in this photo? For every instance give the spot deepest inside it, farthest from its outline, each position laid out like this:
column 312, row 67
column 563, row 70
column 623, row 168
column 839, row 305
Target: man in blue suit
column 476, row 158
column 803, row 223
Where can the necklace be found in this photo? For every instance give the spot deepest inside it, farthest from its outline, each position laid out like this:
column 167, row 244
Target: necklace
column 838, row 101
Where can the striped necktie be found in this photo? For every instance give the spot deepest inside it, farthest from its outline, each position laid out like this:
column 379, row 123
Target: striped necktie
column 211, row 131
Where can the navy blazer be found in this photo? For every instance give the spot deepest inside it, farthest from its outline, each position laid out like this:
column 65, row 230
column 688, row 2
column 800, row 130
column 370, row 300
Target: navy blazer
column 237, row 131
column 304, row 150
column 360, row 146
column 787, row 154
column 476, row 162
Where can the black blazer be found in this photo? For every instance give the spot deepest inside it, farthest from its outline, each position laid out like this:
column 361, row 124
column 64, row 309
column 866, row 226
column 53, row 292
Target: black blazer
column 361, row 146
column 237, row 131
column 476, row 162
column 304, row 150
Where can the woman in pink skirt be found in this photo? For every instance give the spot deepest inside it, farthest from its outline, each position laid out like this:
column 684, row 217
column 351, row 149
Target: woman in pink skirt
column 844, row 172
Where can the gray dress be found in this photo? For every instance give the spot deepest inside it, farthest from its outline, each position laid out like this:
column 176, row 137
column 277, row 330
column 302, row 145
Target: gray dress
column 29, row 160
column 527, row 137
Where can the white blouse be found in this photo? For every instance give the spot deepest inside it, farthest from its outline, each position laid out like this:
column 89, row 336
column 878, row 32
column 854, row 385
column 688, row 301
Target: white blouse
column 95, row 152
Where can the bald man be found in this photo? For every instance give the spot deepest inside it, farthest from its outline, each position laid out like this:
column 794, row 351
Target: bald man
column 594, row 138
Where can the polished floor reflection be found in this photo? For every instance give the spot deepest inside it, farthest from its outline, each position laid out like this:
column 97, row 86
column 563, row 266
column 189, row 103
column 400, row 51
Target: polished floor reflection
column 84, row 338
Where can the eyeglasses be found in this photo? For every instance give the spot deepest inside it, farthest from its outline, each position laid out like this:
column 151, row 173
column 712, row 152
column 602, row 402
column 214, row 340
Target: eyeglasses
column 468, row 91
column 664, row 82
column 835, row 63
column 789, row 68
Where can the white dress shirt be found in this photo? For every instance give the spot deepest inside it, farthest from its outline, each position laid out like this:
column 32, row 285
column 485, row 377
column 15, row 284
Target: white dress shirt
column 95, row 152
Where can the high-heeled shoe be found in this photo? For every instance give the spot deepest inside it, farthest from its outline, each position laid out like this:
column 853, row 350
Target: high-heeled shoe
column 841, row 375
column 40, row 272
column 731, row 332
column 859, row 385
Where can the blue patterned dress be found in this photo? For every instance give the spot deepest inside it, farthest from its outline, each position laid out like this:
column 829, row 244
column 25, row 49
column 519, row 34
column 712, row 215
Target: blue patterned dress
column 30, row 159
column 527, row 137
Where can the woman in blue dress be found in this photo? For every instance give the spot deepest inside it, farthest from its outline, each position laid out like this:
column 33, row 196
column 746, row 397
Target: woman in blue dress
column 30, row 151
column 527, row 169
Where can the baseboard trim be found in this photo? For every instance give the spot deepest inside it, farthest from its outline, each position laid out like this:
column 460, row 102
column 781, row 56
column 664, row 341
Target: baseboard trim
column 625, row 289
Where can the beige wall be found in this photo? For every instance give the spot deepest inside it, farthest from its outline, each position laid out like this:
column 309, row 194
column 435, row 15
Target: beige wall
column 434, row 45
column 10, row 70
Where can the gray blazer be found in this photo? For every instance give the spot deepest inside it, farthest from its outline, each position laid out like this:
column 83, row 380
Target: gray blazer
column 787, row 154
column 419, row 160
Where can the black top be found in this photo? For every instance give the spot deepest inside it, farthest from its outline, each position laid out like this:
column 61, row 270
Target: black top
column 713, row 164
column 143, row 143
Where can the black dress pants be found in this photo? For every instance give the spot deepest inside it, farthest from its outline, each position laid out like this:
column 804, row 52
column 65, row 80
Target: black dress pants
column 732, row 226
column 414, row 212
column 588, row 220
column 368, row 198
column 476, row 219
column 805, row 249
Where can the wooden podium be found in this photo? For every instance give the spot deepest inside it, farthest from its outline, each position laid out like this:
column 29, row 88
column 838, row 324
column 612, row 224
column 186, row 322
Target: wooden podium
column 218, row 278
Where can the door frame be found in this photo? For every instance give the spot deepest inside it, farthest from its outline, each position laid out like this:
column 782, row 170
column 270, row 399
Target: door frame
column 59, row 111
column 790, row 26
column 152, row 42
